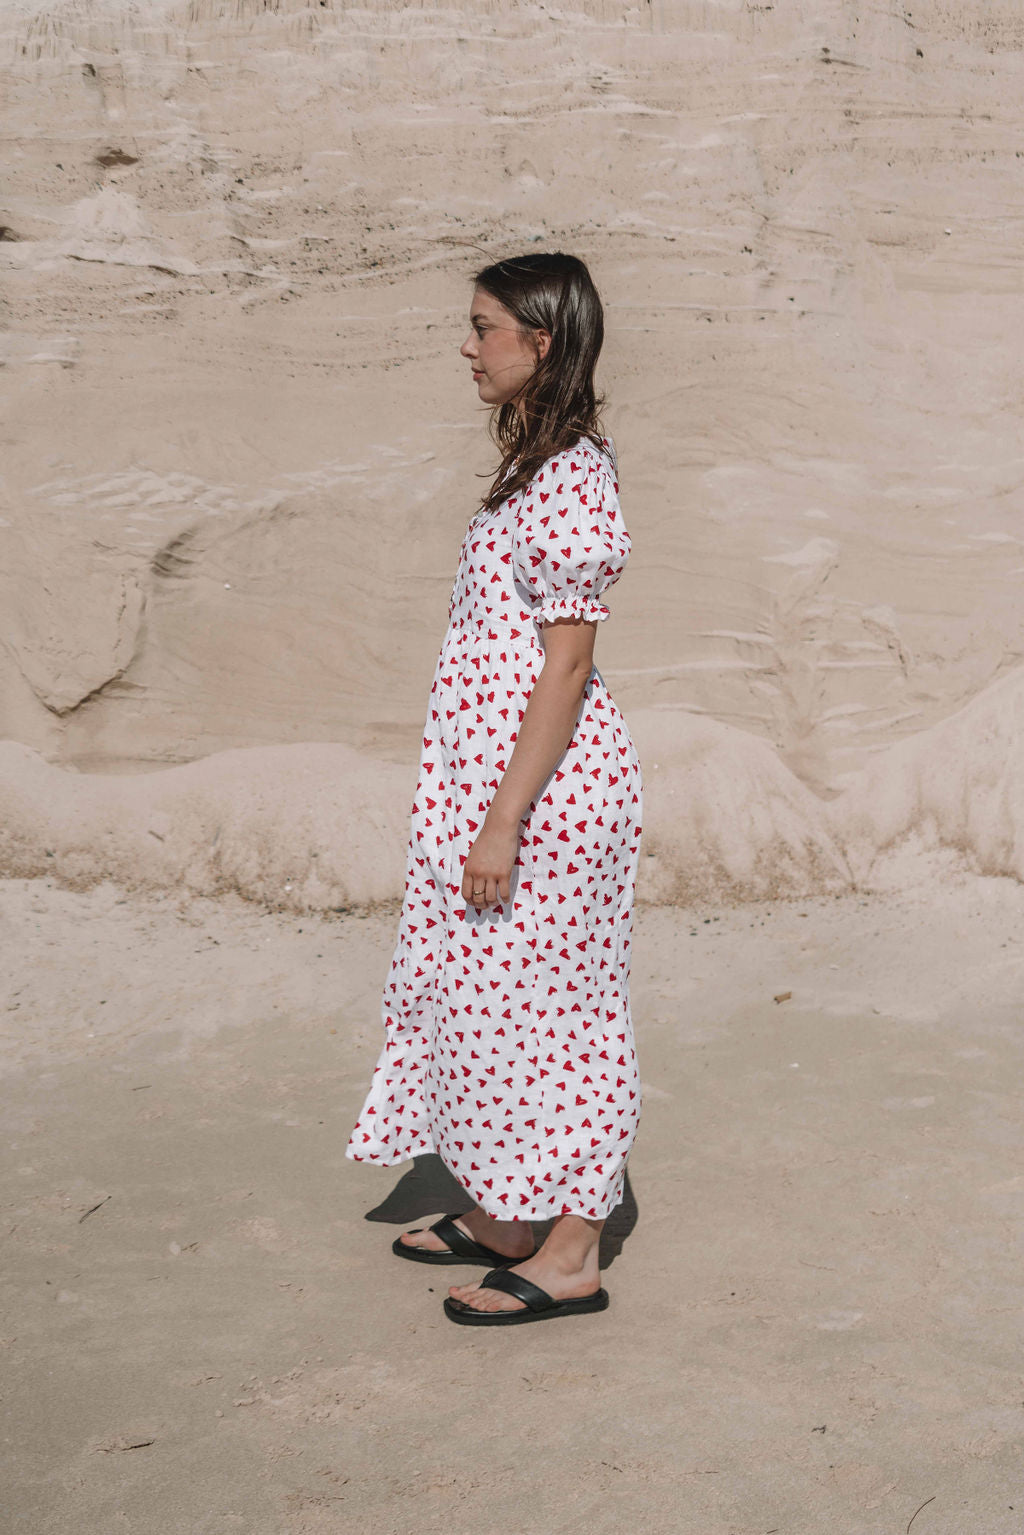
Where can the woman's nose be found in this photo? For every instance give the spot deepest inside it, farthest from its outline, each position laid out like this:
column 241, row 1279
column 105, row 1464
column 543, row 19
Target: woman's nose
column 466, row 349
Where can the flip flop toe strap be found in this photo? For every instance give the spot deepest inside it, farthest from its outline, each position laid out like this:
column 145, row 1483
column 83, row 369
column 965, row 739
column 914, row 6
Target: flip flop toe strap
column 531, row 1295
column 455, row 1239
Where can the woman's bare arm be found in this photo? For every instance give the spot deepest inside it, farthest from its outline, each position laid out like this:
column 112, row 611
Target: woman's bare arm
column 544, row 733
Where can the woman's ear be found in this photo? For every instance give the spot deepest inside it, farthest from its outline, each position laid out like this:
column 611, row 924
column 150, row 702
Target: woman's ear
column 542, row 341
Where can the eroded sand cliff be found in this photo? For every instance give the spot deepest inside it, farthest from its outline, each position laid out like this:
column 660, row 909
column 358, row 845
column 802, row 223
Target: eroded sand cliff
column 242, row 446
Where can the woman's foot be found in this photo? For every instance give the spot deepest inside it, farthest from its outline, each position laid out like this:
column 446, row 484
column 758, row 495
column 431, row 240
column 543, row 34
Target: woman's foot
column 513, row 1239
column 566, row 1267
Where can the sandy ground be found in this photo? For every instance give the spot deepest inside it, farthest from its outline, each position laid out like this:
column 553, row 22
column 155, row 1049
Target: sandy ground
column 816, row 1297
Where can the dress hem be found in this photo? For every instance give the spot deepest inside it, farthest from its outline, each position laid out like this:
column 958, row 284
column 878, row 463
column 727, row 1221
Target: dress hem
column 495, row 1210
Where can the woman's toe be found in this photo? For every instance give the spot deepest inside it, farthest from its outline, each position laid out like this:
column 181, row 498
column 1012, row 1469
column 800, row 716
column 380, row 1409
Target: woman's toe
column 484, row 1300
column 494, row 1300
column 424, row 1239
column 499, row 1301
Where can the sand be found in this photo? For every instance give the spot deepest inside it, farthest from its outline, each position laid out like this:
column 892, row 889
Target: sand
column 240, row 451
column 242, row 447
column 815, row 1279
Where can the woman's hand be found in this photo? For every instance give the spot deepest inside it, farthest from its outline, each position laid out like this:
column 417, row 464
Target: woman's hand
column 487, row 874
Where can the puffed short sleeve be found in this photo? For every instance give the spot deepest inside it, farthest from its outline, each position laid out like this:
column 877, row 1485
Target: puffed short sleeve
column 570, row 542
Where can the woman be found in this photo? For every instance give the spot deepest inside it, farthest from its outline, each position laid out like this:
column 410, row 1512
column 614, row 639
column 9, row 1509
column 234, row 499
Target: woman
column 508, row 1040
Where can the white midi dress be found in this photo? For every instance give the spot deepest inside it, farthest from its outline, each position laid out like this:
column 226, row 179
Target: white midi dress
column 508, row 1040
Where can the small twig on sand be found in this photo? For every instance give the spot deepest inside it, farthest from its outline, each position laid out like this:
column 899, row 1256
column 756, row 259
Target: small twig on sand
column 124, row 1444
column 103, row 1201
column 918, row 1510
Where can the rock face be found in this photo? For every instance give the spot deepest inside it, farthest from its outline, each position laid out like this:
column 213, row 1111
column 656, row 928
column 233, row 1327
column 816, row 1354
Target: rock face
column 294, row 827
column 955, row 790
column 316, row 827
column 724, row 819
column 238, row 245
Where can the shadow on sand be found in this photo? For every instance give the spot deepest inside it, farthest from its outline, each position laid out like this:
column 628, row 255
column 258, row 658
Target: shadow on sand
column 428, row 1188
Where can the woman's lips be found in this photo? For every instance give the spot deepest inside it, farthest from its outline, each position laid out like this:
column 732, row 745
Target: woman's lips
column 477, row 374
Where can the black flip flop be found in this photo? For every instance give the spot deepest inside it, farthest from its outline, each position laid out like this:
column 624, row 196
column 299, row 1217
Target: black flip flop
column 462, row 1249
column 539, row 1304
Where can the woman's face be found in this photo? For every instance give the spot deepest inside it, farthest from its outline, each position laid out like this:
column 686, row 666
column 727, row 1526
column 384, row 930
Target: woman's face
column 501, row 357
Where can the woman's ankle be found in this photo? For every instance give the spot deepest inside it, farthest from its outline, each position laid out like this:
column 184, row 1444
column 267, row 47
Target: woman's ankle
column 573, row 1245
column 516, row 1236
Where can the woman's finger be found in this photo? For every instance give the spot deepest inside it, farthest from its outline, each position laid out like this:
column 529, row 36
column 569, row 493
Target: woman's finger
column 483, row 890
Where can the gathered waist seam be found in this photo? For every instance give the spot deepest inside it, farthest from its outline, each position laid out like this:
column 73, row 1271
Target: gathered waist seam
column 507, row 634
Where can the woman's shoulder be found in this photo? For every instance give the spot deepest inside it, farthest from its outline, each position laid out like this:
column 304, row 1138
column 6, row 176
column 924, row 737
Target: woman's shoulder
column 585, row 455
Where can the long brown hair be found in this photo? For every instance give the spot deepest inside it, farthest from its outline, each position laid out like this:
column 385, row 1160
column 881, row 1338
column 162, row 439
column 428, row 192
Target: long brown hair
column 554, row 292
